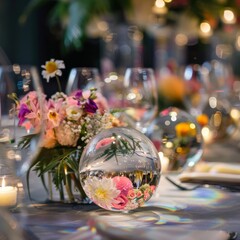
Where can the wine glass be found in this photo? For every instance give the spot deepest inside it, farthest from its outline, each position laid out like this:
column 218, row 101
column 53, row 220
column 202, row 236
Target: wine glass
column 83, row 78
column 222, row 122
column 112, row 89
column 139, row 97
column 196, row 96
column 16, row 83
column 220, row 78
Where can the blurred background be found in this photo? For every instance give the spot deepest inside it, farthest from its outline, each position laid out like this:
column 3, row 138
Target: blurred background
column 113, row 35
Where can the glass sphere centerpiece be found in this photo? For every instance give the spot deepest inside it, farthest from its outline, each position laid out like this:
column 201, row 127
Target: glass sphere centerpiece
column 177, row 137
column 120, row 169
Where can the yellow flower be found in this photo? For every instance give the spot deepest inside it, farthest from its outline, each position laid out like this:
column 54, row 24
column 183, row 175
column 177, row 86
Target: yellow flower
column 202, row 119
column 186, row 129
column 172, row 88
column 52, row 68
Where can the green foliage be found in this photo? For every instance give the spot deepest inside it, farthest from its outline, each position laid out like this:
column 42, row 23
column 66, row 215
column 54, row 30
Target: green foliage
column 73, row 16
column 58, row 161
column 121, row 147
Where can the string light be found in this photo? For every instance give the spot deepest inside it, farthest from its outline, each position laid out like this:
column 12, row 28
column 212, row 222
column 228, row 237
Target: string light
column 205, row 29
column 159, row 7
column 228, row 16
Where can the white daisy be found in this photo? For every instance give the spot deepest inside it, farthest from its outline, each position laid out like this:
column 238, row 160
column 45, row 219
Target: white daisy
column 52, row 68
column 101, row 191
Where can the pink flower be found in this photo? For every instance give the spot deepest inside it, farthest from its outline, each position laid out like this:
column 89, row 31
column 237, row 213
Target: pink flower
column 147, row 194
column 71, row 101
column 55, row 113
column 123, row 184
column 27, row 125
column 152, row 187
column 131, row 194
column 140, row 202
column 101, row 103
column 35, row 116
column 30, row 97
column 29, row 109
column 86, row 94
column 139, row 194
column 120, row 202
column 104, row 142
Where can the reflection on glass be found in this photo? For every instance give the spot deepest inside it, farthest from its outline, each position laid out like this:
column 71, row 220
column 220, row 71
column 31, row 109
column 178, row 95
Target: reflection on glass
column 84, row 79
column 139, row 98
column 9, row 228
column 196, row 97
column 222, row 122
column 15, row 83
column 177, row 137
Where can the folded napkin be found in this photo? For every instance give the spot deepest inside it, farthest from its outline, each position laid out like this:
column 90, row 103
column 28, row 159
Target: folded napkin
column 213, row 173
column 217, row 167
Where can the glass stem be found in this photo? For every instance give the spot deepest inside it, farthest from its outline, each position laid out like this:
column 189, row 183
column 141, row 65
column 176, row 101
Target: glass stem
column 78, row 186
column 68, row 185
column 50, row 193
column 59, row 84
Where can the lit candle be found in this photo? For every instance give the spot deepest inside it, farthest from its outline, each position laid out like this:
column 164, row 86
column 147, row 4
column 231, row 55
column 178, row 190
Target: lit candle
column 8, row 195
column 164, row 162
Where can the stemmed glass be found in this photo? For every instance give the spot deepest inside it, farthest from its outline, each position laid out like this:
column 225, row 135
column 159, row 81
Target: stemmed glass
column 219, row 75
column 220, row 103
column 83, row 78
column 15, row 83
column 195, row 78
column 139, row 98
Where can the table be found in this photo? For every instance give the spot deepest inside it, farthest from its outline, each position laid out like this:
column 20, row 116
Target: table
column 171, row 214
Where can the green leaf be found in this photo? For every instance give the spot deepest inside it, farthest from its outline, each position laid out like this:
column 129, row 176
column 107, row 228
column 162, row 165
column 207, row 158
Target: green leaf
column 121, row 147
column 25, row 140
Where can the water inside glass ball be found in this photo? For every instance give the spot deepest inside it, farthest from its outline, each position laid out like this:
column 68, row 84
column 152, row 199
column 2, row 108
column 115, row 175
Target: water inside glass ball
column 177, row 137
column 120, row 169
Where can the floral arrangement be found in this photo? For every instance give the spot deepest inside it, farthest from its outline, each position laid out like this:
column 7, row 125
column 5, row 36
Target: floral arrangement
column 69, row 124
column 118, row 192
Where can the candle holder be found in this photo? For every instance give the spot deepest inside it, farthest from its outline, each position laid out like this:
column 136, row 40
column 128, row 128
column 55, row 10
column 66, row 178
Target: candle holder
column 8, row 188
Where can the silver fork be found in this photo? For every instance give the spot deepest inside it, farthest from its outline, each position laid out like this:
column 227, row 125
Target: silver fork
column 181, row 187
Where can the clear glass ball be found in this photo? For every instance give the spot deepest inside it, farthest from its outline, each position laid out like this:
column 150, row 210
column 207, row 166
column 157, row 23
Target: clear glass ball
column 120, row 169
column 177, row 137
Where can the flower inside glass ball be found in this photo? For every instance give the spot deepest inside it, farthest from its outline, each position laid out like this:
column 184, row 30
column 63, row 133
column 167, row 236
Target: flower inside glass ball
column 178, row 139
column 120, row 169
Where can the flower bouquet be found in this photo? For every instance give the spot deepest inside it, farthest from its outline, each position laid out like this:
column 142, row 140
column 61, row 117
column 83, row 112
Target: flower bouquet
column 68, row 122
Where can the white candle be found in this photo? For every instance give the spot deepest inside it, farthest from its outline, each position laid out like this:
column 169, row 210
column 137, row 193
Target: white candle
column 164, row 162
column 8, row 195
